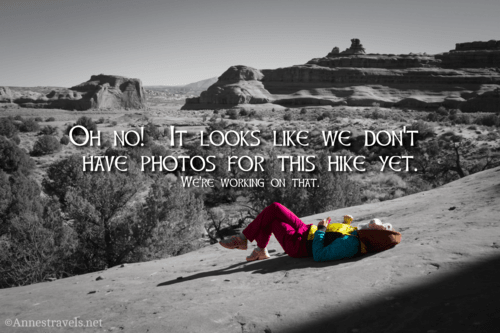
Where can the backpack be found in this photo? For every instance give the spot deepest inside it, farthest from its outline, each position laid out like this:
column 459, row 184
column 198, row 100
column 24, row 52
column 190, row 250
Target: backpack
column 378, row 240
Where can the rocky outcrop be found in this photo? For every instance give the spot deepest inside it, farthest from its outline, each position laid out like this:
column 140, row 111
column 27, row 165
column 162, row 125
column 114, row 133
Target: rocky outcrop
column 5, row 95
column 237, row 85
column 472, row 55
column 465, row 77
column 100, row 92
column 489, row 45
column 110, row 91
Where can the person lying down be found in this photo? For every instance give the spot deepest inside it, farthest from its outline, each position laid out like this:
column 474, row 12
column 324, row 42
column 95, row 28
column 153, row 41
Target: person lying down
column 326, row 241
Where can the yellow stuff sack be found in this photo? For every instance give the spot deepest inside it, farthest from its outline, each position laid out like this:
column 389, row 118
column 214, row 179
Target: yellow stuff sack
column 343, row 228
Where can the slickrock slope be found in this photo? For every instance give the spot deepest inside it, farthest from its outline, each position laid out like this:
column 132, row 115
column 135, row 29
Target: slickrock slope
column 100, row 92
column 467, row 78
column 443, row 277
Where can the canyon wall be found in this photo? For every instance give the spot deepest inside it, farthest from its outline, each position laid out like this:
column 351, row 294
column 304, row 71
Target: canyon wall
column 467, row 77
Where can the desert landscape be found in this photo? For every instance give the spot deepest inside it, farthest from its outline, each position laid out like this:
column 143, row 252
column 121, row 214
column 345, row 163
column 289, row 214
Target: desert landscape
column 122, row 169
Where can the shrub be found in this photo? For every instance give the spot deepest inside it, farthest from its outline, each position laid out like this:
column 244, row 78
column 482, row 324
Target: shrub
column 463, row 118
column 287, row 116
column 424, row 129
column 29, row 125
column 159, row 150
column 48, row 130
column 49, row 119
column 303, row 111
column 106, row 144
column 488, row 120
column 175, row 218
column 13, row 158
column 16, row 139
column 233, row 114
column 378, row 114
column 7, row 127
column 38, row 119
column 243, row 112
column 152, row 131
column 82, row 121
column 442, row 111
column 46, row 144
column 432, row 116
column 64, row 140
column 35, row 244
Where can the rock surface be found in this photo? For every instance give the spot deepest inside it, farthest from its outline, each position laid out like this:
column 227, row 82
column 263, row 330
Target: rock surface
column 5, row 95
column 356, row 78
column 443, row 277
column 100, row 92
column 237, row 85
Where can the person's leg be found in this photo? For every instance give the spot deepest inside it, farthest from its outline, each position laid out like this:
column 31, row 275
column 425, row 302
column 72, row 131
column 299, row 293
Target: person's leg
column 286, row 226
column 291, row 240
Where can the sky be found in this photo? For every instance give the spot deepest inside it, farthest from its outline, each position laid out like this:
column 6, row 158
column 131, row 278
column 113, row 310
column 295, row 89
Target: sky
column 168, row 42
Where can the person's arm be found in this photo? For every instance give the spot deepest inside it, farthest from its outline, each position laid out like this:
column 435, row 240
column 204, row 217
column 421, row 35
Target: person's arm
column 344, row 247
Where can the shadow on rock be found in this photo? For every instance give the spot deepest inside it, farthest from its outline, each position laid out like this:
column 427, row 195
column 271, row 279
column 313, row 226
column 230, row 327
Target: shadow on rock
column 280, row 262
column 465, row 300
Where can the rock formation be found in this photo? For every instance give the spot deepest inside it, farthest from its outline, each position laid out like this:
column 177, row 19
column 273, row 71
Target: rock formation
column 109, row 91
column 237, row 85
column 100, row 92
column 466, row 77
column 5, row 95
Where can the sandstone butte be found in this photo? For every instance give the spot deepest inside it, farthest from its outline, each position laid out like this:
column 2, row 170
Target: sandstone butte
column 442, row 277
column 467, row 78
column 100, row 92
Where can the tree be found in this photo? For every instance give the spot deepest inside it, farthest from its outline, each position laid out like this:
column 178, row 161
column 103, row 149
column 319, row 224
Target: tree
column 450, row 157
column 173, row 217
column 13, row 158
column 7, row 127
column 35, row 244
column 100, row 209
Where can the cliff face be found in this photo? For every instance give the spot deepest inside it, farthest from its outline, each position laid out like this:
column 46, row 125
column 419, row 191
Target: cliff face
column 465, row 77
column 100, row 92
column 237, row 85
column 109, row 91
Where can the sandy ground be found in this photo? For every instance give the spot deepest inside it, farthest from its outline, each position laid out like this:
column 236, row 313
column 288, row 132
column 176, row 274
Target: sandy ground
column 443, row 277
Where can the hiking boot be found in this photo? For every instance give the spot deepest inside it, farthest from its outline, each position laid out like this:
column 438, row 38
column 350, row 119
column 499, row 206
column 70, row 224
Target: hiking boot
column 234, row 242
column 258, row 255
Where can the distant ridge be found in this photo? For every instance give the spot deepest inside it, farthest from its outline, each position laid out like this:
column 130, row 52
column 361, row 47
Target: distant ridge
column 199, row 85
column 466, row 78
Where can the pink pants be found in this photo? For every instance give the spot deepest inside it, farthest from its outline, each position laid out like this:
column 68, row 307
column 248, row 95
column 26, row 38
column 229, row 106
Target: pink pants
column 288, row 229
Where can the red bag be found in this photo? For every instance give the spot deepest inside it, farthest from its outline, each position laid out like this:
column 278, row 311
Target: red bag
column 378, row 240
